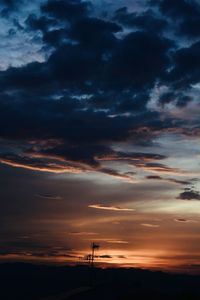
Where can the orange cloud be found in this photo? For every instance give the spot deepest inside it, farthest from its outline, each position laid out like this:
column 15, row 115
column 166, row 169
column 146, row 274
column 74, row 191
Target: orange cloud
column 113, row 208
column 150, row 225
column 51, row 168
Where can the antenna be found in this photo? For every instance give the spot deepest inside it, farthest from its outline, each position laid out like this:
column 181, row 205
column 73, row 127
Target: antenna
column 93, row 248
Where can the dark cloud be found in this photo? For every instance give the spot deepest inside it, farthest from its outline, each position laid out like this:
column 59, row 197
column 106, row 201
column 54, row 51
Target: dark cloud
column 55, row 37
column 49, row 196
column 190, row 28
column 55, row 88
column 98, row 64
column 92, row 90
column 96, row 42
column 146, row 21
column 181, row 220
column 28, row 250
column 85, row 126
column 185, row 13
column 189, row 194
column 69, row 10
column 57, row 18
column 93, row 32
column 11, row 4
column 105, row 256
column 177, row 8
column 46, row 156
column 186, row 66
column 40, row 23
column 122, row 256
column 182, row 182
column 29, row 76
column 180, row 99
column 132, row 65
column 154, row 177
column 7, row 7
column 132, row 103
column 173, row 180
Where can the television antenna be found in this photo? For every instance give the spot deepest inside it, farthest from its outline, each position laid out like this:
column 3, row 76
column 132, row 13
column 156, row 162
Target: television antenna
column 94, row 247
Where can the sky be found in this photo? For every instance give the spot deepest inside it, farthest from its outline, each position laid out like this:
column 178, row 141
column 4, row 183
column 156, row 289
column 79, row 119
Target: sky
column 99, row 132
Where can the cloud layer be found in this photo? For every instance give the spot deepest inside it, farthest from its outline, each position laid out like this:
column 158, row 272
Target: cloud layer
column 99, row 127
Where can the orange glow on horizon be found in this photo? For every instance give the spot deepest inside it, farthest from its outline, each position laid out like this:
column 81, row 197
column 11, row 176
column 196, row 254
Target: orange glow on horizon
column 153, row 260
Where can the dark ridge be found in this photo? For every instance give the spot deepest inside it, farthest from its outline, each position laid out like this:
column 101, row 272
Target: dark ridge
column 20, row 281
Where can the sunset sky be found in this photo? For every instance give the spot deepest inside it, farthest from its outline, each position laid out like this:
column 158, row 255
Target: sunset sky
column 99, row 132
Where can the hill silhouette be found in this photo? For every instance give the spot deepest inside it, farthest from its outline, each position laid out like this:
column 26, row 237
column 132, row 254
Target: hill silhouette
column 33, row 282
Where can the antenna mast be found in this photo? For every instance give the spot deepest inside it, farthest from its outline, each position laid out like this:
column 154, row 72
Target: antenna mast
column 93, row 248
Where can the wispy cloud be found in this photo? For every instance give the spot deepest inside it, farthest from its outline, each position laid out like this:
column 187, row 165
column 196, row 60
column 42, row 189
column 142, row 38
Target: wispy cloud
column 112, row 208
column 122, row 176
column 158, row 168
column 150, row 225
column 182, row 220
column 112, row 241
column 172, row 180
column 83, row 233
column 48, row 167
column 49, row 196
